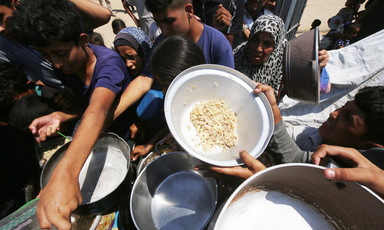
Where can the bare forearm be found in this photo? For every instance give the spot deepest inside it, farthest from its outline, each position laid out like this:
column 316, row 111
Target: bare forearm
column 135, row 90
column 94, row 15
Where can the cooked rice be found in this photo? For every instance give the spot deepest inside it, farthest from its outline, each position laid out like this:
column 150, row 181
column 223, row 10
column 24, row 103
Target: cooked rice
column 215, row 125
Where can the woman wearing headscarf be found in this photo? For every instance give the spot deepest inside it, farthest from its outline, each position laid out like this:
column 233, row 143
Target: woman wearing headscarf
column 134, row 47
column 260, row 58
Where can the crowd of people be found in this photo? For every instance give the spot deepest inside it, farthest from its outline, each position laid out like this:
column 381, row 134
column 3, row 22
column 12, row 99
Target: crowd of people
column 56, row 74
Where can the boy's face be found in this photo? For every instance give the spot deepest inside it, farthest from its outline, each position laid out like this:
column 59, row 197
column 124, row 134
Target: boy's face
column 345, row 126
column 5, row 12
column 172, row 21
column 66, row 56
column 254, row 5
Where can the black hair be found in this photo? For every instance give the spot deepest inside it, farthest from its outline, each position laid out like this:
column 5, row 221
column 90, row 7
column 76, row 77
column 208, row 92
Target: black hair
column 174, row 55
column 13, row 82
column 96, row 39
column 39, row 22
column 117, row 24
column 28, row 108
column 7, row 3
column 157, row 6
column 371, row 101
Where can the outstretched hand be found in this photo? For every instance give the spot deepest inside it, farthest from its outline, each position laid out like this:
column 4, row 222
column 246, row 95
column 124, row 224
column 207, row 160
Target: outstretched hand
column 361, row 169
column 253, row 166
column 323, row 58
column 60, row 197
column 45, row 126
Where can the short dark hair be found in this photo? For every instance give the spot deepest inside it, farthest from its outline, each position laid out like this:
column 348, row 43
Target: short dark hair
column 117, row 24
column 39, row 22
column 13, row 82
column 371, row 101
column 96, row 39
column 174, row 55
column 157, row 6
column 28, row 108
column 7, row 3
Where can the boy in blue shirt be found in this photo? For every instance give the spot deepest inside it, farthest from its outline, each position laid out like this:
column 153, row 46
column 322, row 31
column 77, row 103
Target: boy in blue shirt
column 55, row 29
column 177, row 18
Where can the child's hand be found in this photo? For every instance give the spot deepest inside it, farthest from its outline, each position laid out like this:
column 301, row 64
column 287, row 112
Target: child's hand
column 45, row 126
column 140, row 150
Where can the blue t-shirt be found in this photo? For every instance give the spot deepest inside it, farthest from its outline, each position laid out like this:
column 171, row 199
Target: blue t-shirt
column 110, row 72
column 216, row 48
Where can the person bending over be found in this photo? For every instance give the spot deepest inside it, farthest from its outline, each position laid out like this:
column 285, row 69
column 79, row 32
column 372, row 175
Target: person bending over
column 98, row 78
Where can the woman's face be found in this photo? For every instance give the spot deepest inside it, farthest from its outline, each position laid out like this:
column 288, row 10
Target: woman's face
column 134, row 62
column 260, row 48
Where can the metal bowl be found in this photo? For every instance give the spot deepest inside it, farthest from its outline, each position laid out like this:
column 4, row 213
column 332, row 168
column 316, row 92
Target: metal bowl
column 204, row 82
column 298, row 196
column 169, row 194
column 301, row 71
column 103, row 177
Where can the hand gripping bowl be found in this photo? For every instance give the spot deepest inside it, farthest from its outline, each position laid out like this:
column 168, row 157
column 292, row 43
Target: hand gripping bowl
column 301, row 70
column 105, row 175
column 205, row 82
column 170, row 194
column 298, row 196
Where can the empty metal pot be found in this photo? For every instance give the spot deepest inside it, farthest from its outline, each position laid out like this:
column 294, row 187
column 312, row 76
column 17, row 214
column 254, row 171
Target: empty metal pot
column 104, row 177
column 169, row 194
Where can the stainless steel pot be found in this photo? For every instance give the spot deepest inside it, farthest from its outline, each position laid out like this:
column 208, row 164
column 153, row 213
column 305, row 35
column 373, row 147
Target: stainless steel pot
column 298, row 196
column 105, row 176
column 169, row 194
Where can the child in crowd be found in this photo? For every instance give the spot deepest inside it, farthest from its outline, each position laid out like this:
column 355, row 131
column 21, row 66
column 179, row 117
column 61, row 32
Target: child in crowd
column 117, row 25
column 176, row 17
column 100, row 77
column 350, row 30
column 32, row 61
column 166, row 66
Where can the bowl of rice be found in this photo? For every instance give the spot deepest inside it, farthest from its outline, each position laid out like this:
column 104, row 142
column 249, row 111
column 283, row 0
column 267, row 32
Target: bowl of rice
column 212, row 113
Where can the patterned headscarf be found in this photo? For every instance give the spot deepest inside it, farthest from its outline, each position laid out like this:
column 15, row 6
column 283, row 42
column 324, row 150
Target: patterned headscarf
column 270, row 72
column 135, row 38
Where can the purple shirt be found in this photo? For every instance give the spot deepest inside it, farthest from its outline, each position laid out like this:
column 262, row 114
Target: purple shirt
column 110, row 72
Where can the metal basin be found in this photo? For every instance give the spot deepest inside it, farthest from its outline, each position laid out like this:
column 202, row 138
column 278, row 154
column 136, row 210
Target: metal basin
column 204, row 82
column 103, row 177
column 298, row 196
column 301, row 70
column 169, row 194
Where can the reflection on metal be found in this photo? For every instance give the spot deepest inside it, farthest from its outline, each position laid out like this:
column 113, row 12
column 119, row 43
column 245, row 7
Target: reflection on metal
column 290, row 11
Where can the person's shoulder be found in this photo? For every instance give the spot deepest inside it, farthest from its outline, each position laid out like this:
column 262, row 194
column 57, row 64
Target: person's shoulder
column 212, row 32
column 105, row 55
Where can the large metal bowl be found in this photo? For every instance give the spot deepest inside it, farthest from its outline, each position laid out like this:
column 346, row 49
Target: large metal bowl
column 298, row 196
column 204, row 82
column 301, row 70
column 169, row 194
column 105, row 175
